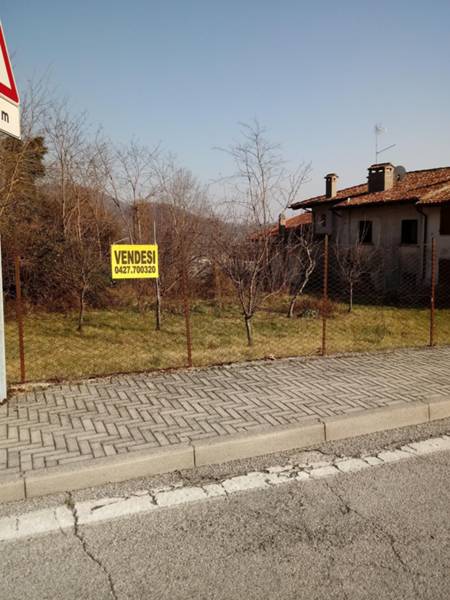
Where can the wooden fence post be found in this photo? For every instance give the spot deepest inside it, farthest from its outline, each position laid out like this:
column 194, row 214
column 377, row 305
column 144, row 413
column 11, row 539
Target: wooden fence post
column 325, row 296
column 19, row 317
column 433, row 292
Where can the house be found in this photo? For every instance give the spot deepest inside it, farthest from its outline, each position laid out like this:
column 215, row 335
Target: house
column 396, row 212
column 299, row 225
column 287, row 229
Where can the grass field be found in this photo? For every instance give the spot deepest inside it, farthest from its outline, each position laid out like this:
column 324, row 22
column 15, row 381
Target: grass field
column 125, row 340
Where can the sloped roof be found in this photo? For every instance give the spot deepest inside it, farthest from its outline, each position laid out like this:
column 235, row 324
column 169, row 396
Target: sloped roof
column 304, row 218
column 428, row 186
column 293, row 222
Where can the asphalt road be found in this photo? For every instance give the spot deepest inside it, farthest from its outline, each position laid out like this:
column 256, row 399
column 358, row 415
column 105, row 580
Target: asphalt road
column 380, row 533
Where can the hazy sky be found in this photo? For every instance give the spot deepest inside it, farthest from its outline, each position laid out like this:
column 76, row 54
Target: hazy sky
column 318, row 75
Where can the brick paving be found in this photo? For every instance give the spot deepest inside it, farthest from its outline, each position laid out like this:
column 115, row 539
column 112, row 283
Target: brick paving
column 83, row 421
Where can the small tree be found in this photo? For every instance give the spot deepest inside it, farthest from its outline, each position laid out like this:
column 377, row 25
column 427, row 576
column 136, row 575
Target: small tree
column 184, row 206
column 354, row 262
column 248, row 262
column 245, row 250
column 301, row 259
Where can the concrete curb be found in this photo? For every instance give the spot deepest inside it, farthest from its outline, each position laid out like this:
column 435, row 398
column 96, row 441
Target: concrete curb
column 439, row 408
column 377, row 419
column 248, row 445
column 12, row 487
column 107, row 470
column 308, row 432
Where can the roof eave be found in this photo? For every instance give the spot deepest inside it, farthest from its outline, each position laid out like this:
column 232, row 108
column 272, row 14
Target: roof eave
column 312, row 203
column 345, row 204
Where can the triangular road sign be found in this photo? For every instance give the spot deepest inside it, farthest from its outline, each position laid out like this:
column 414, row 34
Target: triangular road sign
column 8, row 87
column 9, row 97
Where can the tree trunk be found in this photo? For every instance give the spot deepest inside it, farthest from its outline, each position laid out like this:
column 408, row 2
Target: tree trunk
column 217, row 287
column 248, row 329
column 292, row 306
column 81, row 310
column 158, row 306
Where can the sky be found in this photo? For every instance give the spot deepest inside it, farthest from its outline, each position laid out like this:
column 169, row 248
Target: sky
column 184, row 73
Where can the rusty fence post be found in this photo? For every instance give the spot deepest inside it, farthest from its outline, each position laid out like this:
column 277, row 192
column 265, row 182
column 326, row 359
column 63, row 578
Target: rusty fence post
column 433, row 292
column 325, row 296
column 186, row 304
column 19, row 317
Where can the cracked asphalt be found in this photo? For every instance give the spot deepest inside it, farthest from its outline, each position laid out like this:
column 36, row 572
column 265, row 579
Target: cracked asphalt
column 380, row 533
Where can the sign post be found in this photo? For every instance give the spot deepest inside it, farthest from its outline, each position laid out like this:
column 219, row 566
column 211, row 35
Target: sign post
column 10, row 125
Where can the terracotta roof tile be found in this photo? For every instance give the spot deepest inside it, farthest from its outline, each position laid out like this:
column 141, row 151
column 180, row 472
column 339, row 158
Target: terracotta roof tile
column 293, row 222
column 304, row 218
column 429, row 186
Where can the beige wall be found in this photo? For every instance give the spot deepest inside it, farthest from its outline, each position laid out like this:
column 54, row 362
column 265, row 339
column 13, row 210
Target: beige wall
column 401, row 260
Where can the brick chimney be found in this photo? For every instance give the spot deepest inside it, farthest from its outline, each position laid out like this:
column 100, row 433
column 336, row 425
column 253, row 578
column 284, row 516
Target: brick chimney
column 330, row 185
column 381, row 177
column 281, row 224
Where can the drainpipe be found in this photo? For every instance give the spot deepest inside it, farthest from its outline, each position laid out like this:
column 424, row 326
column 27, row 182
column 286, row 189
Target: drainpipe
column 341, row 215
column 424, row 241
column 335, row 211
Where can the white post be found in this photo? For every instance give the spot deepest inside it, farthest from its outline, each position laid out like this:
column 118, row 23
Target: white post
column 3, row 391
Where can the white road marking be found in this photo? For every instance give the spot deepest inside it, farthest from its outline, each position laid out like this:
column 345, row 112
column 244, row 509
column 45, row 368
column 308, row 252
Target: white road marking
column 180, row 496
column 105, row 509
column 320, row 472
column 251, row 481
column 393, row 455
column 351, row 465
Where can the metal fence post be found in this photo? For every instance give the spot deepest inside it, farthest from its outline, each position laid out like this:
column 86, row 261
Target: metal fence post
column 325, row 296
column 19, row 317
column 433, row 292
column 3, row 385
column 186, row 304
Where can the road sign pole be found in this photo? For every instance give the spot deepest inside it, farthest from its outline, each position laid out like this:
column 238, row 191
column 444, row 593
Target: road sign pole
column 3, row 388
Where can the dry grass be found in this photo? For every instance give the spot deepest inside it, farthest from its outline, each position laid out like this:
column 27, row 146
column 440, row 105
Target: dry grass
column 125, row 340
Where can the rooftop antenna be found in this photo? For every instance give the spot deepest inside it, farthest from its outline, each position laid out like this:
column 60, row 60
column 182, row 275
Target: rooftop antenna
column 379, row 130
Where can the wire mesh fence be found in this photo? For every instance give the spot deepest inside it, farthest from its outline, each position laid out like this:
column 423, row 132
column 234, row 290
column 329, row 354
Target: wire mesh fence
column 355, row 299
column 383, row 298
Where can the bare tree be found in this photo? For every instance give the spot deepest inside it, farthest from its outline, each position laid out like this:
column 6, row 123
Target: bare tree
column 184, row 207
column 301, row 260
column 66, row 140
column 245, row 251
column 354, row 262
column 21, row 161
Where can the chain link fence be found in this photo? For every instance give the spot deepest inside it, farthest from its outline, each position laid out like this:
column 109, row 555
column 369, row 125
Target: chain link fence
column 356, row 299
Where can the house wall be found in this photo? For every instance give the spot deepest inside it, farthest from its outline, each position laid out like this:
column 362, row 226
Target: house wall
column 324, row 220
column 402, row 264
column 443, row 241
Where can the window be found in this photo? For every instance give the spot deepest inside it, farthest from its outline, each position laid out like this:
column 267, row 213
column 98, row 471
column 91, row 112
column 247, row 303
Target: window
column 365, row 232
column 409, row 231
column 445, row 220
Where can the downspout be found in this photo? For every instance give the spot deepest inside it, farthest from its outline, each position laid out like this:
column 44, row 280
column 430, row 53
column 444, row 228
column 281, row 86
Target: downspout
column 339, row 214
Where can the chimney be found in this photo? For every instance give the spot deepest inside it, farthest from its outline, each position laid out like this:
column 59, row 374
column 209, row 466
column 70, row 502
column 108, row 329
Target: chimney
column 330, row 185
column 281, row 224
column 381, row 177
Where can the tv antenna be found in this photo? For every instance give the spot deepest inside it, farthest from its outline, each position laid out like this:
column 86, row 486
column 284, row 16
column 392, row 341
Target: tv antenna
column 379, row 130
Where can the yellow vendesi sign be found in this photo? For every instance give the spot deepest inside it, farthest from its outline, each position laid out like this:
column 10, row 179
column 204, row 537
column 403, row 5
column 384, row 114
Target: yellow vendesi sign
column 134, row 261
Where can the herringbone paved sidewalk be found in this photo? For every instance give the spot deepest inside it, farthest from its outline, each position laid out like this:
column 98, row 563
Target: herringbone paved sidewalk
column 76, row 422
